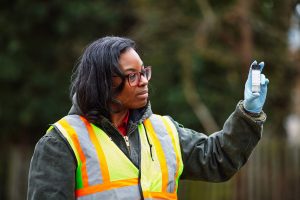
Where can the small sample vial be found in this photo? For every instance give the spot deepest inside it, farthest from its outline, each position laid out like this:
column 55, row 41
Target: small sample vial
column 255, row 78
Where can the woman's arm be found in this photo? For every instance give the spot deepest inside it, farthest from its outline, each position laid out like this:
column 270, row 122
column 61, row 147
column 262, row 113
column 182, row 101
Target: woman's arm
column 52, row 169
column 218, row 157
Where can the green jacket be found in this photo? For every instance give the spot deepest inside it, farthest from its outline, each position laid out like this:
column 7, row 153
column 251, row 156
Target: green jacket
column 213, row 158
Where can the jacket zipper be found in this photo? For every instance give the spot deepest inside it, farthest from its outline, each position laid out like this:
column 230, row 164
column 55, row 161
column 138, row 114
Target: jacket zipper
column 139, row 175
column 127, row 143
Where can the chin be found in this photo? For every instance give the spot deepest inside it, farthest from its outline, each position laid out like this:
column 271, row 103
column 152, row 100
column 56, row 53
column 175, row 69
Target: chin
column 140, row 104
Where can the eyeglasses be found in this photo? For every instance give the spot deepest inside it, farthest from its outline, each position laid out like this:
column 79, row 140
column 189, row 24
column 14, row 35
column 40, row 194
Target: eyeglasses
column 135, row 78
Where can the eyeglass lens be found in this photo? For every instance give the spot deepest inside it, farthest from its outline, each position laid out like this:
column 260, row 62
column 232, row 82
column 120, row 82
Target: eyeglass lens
column 135, row 78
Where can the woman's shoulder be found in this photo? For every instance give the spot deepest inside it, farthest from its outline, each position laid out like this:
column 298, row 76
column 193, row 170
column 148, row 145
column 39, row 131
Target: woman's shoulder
column 53, row 143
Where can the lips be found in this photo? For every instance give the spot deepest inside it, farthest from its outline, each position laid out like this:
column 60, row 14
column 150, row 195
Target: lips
column 142, row 94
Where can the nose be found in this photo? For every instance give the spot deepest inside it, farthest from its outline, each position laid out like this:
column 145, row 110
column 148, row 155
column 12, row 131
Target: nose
column 143, row 80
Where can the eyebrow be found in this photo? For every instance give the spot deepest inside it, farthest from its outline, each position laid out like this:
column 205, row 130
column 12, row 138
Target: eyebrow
column 133, row 69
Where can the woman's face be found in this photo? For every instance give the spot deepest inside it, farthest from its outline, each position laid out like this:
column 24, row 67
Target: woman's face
column 132, row 97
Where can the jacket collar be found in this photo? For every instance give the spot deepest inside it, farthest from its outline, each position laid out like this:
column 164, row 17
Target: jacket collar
column 136, row 116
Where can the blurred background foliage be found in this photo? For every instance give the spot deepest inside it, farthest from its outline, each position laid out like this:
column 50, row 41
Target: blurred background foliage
column 198, row 47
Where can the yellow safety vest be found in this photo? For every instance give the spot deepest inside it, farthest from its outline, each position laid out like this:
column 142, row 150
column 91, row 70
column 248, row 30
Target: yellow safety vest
column 105, row 172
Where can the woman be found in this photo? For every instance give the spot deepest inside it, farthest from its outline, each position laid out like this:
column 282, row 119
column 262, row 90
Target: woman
column 111, row 145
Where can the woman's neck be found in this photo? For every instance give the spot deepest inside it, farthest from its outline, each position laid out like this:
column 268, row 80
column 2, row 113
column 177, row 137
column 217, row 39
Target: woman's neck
column 117, row 118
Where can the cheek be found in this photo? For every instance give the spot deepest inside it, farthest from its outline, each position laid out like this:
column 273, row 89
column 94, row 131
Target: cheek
column 129, row 100
column 126, row 96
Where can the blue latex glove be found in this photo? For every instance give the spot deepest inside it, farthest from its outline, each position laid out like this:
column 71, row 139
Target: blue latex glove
column 254, row 102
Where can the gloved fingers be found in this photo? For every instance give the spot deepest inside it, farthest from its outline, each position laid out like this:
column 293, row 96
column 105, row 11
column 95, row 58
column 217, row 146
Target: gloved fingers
column 264, row 87
column 250, row 70
column 261, row 65
column 248, row 90
column 264, row 80
column 255, row 95
column 254, row 63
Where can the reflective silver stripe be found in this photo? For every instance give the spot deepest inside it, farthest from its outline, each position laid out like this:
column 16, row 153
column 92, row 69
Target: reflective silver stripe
column 168, row 149
column 123, row 193
column 92, row 162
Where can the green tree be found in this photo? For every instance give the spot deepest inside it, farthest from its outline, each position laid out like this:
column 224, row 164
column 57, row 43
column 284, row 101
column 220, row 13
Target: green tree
column 214, row 44
column 40, row 43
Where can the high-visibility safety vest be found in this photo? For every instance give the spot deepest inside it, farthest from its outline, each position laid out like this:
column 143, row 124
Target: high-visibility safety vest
column 105, row 172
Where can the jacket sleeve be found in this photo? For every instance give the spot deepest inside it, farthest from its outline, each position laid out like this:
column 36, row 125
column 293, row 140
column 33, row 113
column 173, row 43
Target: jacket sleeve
column 218, row 157
column 52, row 169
